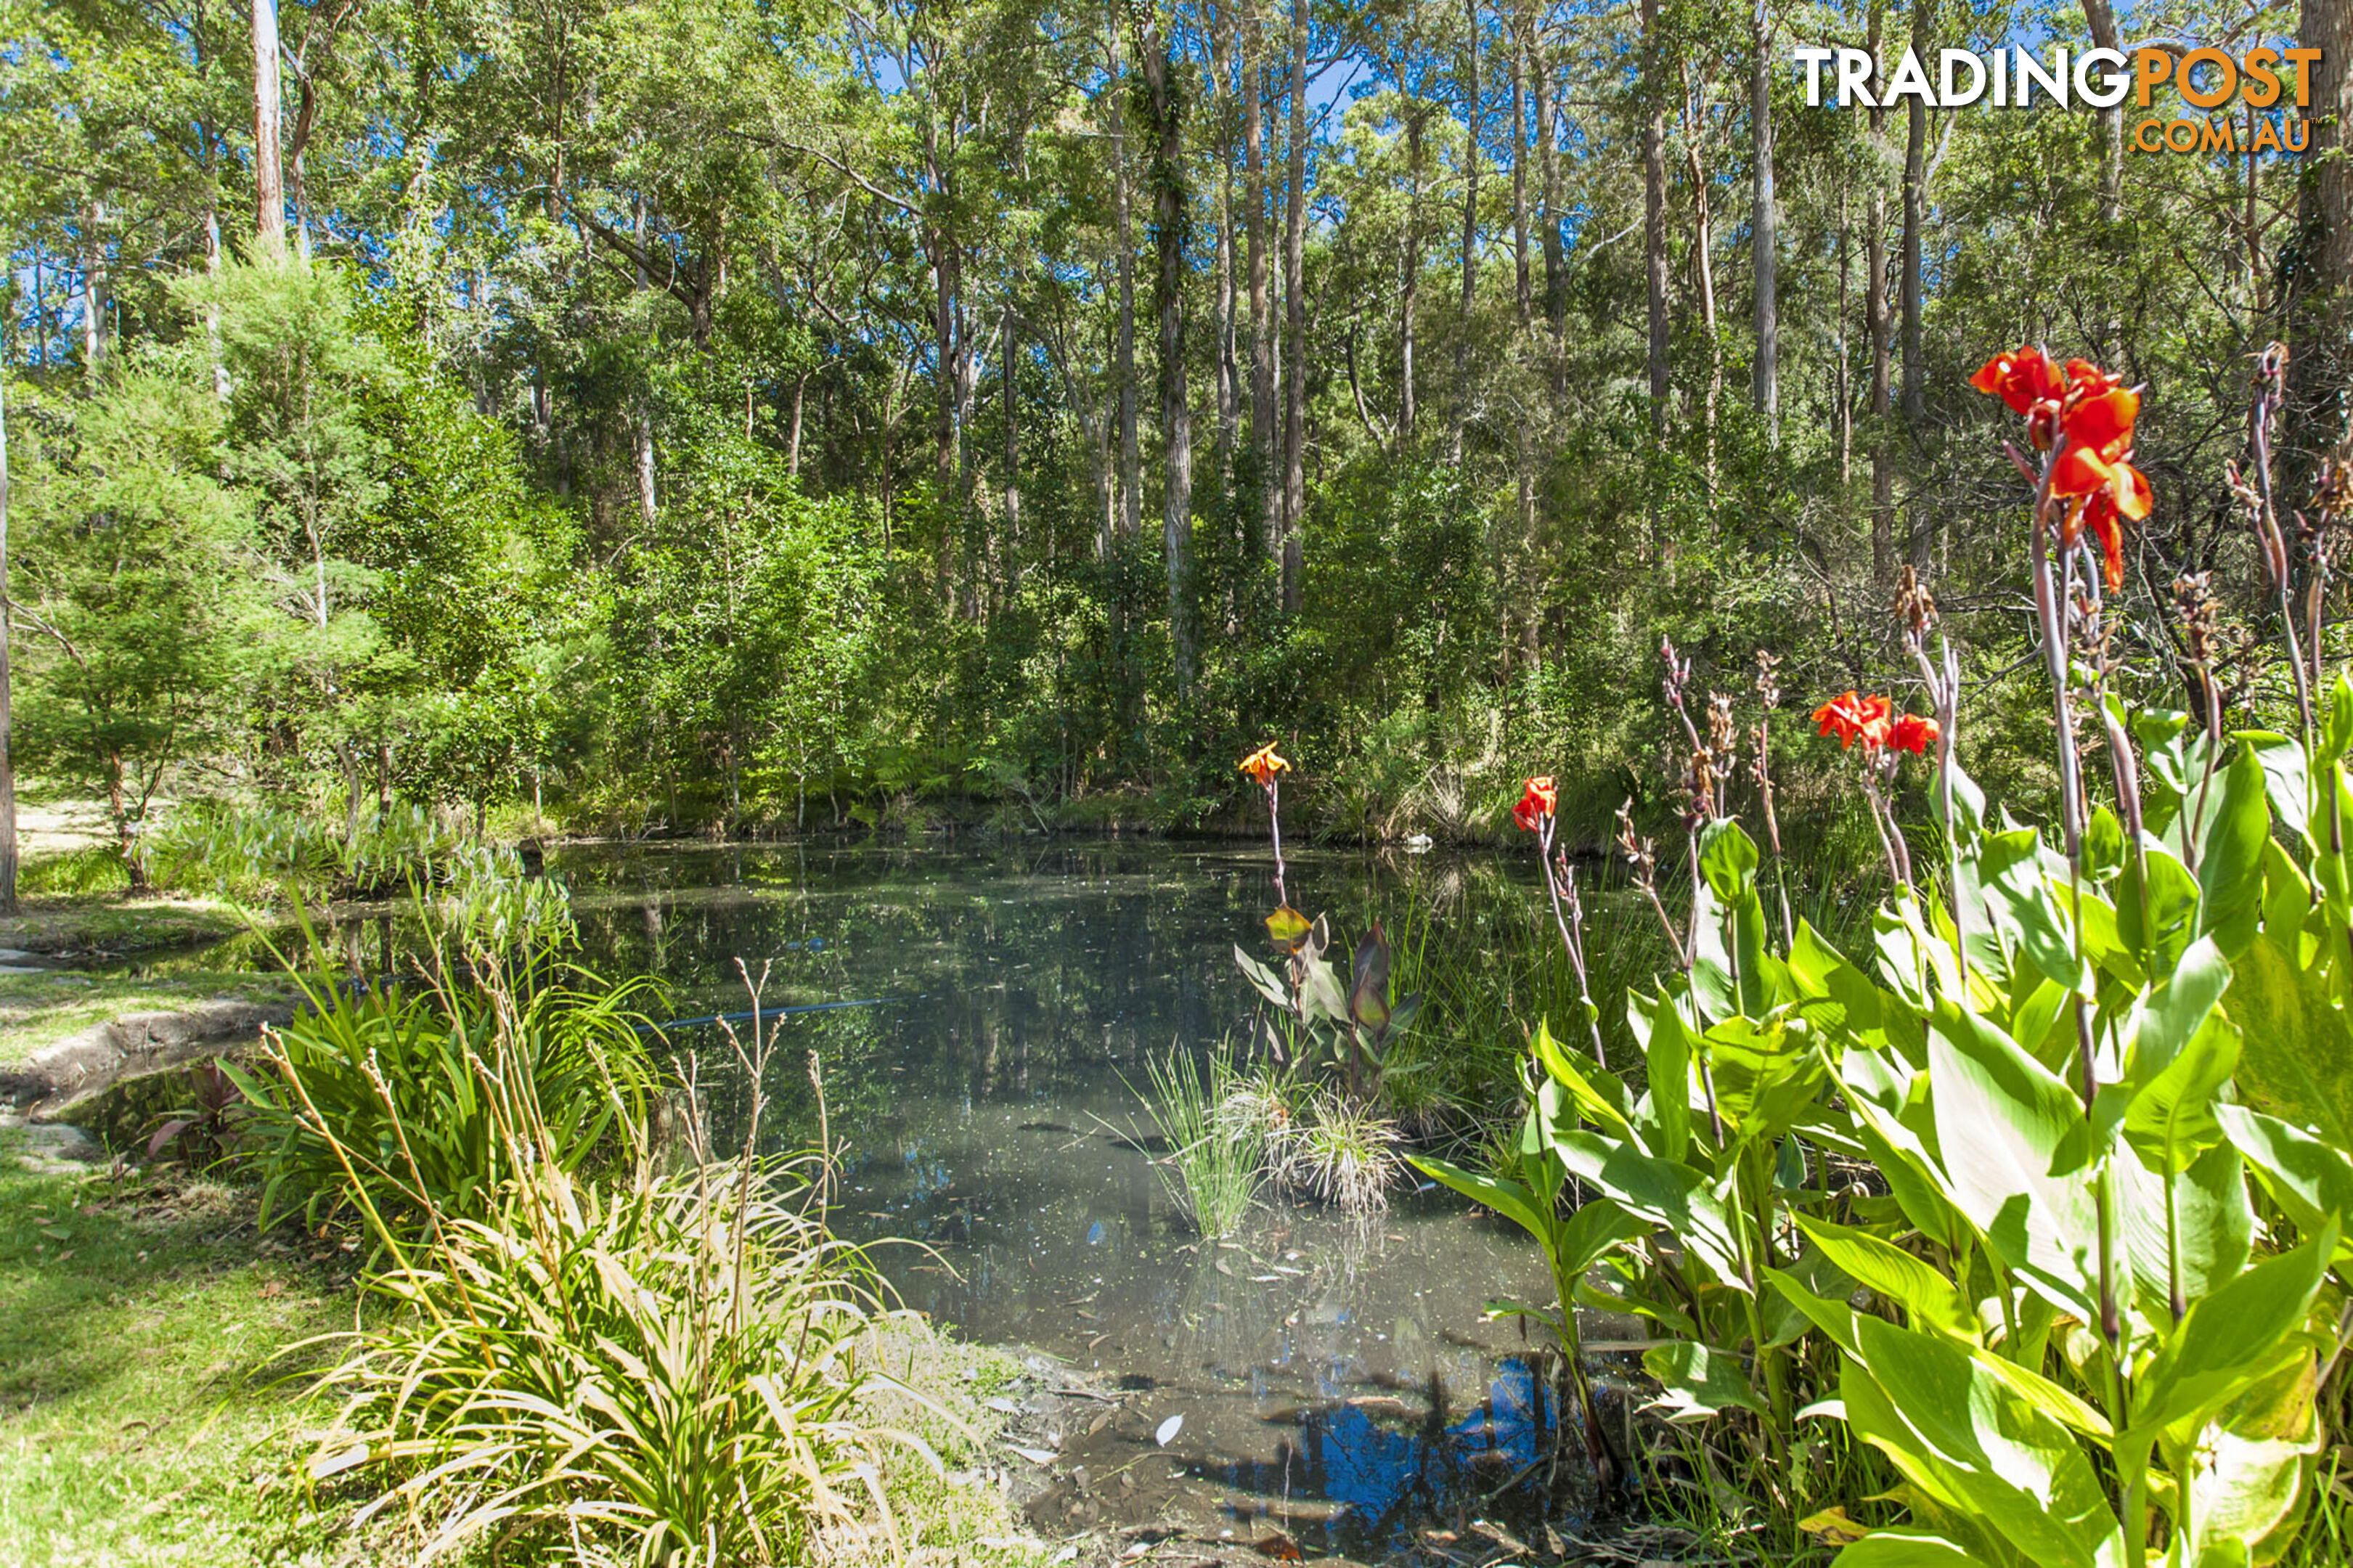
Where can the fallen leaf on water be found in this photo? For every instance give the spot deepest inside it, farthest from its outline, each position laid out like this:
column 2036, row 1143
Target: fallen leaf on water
column 1169, row 1429
column 1001, row 1403
column 1223, row 1270
column 1035, row 1456
column 1279, row 1546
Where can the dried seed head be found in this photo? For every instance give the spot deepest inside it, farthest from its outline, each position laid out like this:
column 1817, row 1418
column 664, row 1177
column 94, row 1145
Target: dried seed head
column 1642, row 859
column 2193, row 608
column 1916, row 607
column 1768, row 685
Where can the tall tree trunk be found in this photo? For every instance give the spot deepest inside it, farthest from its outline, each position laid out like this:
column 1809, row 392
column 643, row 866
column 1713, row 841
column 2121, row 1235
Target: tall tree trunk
column 1011, row 390
column 1229, row 369
column 1472, row 120
column 1704, row 281
column 1654, row 226
column 1883, row 335
column 1520, row 166
column 1131, row 452
column 269, row 189
column 1556, row 279
column 2101, row 17
column 1409, row 266
column 7, row 765
column 1842, row 376
column 1176, row 412
column 2319, row 294
column 1256, row 85
column 1764, row 226
column 93, row 291
column 1294, row 263
column 1915, row 220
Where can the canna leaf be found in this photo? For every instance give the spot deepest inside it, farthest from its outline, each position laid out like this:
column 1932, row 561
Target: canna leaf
column 1696, row 1383
column 1368, row 992
column 2182, row 1053
column 2235, row 830
column 1904, row 1549
column 2003, row 1123
column 2231, row 1338
column 2157, row 915
column 2308, row 1178
column 1962, row 1435
column 1925, row 1294
column 1662, row 1193
column 2295, row 1059
column 1511, row 1199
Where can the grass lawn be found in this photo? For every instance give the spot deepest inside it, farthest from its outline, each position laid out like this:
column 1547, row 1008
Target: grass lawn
column 142, row 1418
column 38, row 1010
column 114, row 923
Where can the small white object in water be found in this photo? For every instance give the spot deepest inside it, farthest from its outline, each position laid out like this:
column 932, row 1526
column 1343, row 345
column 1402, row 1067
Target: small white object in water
column 1419, row 842
column 1168, row 1430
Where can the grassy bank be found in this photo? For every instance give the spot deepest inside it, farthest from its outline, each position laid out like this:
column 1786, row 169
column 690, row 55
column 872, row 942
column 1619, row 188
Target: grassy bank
column 152, row 1412
column 95, row 924
column 39, row 1010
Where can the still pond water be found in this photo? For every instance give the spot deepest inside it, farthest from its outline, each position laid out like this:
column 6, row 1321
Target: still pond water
column 1338, row 1379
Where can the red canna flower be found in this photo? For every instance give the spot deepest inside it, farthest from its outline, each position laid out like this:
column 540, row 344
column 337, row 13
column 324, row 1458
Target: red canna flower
column 1915, row 734
column 1851, row 717
column 2095, row 472
column 1537, row 804
column 1263, row 764
column 2021, row 378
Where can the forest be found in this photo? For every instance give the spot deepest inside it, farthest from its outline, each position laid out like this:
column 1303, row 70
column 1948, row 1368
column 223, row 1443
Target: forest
column 735, row 417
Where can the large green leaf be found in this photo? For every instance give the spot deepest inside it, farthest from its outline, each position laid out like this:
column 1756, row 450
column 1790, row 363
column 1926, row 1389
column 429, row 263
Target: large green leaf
column 1904, row 1549
column 2182, row 1054
column 2296, row 1062
column 2197, row 1221
column 2020, row 900
column 1696, row 1383
column 2002, row 1123
column 2231, row 1338
column 1668, row 1059
column 2236, row 825
column 2157, row 915
column 1511, row 1199
column 2309, row 1179
column 1922, row 1291
column 1727, row 858
column 1946, row 1417
column 1664, row 1193
column 2285, row 780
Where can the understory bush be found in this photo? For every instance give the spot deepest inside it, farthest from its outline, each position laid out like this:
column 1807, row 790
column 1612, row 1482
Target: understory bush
column 576, row 1345
column 413, row 1102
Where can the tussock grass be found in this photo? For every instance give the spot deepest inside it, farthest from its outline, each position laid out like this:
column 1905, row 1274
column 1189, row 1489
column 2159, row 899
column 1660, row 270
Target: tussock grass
column 1216, row 1165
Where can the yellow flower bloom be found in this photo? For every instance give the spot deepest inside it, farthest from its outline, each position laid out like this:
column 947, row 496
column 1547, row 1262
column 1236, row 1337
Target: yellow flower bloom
column 1263, row 764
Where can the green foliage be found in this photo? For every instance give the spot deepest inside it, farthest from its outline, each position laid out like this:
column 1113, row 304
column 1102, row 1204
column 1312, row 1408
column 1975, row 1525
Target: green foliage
column 405, row 1106
column 673, row 1366
column 1216, row 1138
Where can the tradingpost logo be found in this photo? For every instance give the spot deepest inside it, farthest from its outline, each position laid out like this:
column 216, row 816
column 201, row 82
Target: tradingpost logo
column 2015, row 77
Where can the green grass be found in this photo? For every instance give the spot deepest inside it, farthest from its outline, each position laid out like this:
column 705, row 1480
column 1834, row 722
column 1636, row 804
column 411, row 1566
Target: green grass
column 141, row 1409
column 112, row 923
column 1217, row 1161
column 38, row 1010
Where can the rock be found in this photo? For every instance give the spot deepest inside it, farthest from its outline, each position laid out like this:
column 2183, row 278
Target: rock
column 82, row 1066
column 62, row 1141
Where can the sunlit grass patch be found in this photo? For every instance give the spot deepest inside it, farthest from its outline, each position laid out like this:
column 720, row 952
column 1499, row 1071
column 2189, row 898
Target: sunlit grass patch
column 141, row 1413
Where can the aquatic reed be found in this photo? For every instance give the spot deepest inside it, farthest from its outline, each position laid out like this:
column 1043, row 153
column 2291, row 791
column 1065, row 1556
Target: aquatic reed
column 1216, row 1165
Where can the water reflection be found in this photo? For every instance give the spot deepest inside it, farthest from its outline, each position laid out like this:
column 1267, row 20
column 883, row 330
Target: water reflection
column 1338, row 1379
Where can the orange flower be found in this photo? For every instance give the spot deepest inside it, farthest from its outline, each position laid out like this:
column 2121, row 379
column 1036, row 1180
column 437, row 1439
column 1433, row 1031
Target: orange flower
column 2095, row 472
column 2022, row 379
column 1537, row 804
column 1263, row 764
column 1854, row 718
column 1915, row 734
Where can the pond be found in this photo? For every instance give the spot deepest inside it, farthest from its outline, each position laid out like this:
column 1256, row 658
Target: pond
column 1338, row 1379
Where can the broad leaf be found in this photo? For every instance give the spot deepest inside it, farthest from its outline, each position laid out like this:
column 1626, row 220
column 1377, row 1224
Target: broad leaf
column 2296, row 1062
column 2230, row 1338
column 1697, row 1383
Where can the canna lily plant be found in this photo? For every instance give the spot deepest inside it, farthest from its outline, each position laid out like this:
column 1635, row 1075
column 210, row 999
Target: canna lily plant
column 2087, row 1309
column 1349, row 1023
